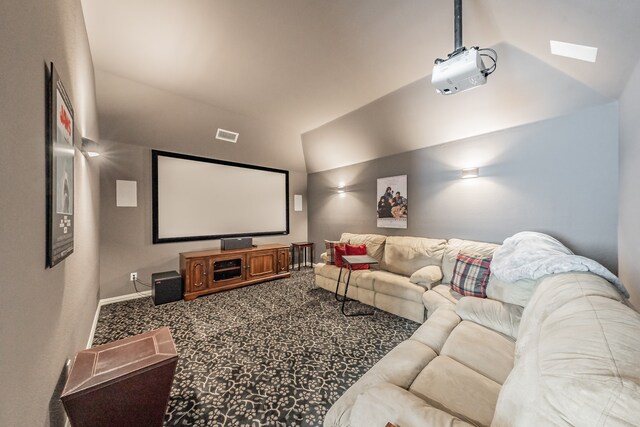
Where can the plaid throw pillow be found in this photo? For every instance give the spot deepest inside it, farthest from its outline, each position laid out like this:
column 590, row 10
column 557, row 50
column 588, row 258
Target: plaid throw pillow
column 331, row 251
column 471, row 275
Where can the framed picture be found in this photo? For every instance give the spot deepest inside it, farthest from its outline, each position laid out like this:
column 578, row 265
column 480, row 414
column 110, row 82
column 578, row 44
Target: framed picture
column 392, row 209
column 60, row 156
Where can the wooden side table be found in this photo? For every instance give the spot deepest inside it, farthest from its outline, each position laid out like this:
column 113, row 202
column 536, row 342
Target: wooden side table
column 302, row 248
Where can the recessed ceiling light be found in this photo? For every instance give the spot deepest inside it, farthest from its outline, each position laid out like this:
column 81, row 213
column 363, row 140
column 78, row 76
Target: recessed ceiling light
column 575, row 51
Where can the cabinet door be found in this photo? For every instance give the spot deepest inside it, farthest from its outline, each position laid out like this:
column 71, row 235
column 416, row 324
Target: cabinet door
column 197, row 279
column 226, row 270
column 261, row 264
column 283, row 260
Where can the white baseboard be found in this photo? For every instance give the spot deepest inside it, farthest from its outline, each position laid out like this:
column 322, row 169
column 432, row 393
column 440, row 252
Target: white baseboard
column 93, row 326
column 121, row 298
column 112, row 300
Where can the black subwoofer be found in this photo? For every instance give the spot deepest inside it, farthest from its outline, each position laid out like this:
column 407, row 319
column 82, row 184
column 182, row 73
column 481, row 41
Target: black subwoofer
column 166, row 287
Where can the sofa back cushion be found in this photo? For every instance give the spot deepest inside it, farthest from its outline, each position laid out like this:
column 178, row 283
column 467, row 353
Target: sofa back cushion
column 518, row 292
column 406, row 255
column 576, row 357
column 469, row 247
column 374, row 242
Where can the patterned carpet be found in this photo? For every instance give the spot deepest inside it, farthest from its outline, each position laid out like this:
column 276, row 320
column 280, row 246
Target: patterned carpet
column 273, row 354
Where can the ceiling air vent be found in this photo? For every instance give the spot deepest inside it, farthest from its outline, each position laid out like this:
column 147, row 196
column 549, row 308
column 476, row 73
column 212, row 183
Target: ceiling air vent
column 227, row 135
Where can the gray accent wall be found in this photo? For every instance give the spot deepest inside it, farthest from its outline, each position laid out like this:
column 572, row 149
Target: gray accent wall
column 629, row 211
column 558, row 176
column 46, row 314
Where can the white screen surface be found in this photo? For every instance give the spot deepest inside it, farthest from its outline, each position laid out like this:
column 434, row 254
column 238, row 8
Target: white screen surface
column 201, row 198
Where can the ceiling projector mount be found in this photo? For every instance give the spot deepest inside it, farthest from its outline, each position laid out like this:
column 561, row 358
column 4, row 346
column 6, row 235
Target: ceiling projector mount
column 463, row 69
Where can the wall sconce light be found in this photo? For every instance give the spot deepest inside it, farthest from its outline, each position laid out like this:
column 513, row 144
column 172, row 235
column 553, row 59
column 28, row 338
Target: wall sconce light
column 341, row 188
column 89, row 148
column 470, row 173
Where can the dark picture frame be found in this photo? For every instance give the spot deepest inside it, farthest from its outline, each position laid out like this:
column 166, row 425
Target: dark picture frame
column 60, row 153
column 155, row 154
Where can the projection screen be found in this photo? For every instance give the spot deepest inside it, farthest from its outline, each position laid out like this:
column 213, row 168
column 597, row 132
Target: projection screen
column 197, row 198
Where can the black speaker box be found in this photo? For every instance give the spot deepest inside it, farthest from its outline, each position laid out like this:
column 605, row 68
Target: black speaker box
column 166, row 287
column 236, row 243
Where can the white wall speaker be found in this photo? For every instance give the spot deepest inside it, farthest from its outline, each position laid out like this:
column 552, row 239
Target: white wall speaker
column 126, row 194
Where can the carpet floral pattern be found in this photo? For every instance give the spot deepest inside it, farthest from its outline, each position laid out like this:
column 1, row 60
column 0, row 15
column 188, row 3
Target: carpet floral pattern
column 273, row 354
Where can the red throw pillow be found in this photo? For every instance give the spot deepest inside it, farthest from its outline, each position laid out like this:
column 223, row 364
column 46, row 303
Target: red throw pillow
column 357, row 250
column 338, row 252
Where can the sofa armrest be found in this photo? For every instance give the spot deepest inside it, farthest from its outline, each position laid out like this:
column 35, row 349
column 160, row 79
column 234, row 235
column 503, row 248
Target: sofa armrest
column 436, row 330
column 386, row 402
column 324, row 257
column 427, row 276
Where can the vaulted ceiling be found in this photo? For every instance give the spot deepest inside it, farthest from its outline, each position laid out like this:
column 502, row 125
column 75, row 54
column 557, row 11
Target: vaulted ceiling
column 303, row 63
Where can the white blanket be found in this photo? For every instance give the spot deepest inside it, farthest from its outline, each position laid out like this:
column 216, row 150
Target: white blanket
column 531, row 255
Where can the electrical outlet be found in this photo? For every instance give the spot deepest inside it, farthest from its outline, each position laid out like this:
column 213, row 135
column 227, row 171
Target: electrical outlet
column 133, row 277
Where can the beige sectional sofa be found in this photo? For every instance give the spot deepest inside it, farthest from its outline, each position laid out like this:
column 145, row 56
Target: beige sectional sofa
column 389, row 285
column 560, row 351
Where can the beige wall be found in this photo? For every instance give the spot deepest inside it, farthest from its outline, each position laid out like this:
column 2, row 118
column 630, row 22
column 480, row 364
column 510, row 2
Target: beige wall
column 45, row 314
column 154, row 118
column 629, row 207
column 126, row 233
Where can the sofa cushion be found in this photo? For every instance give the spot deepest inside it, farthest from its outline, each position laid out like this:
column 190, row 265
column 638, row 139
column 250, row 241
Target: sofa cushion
column 408, row 309
column 579, row 365
column 398, row 286
column 438, row 297
column 399, row 367
column 448, row 293
column 386, row 402
column 406, row 255
column 435, row 331
column 332, row 272
column 427, row 276
column 454, row 246
column 552, row 293
column 375, row 244
column 483, row 350
column 492, row 314
column 471, row 275
column 518, row 292
column 457, row 389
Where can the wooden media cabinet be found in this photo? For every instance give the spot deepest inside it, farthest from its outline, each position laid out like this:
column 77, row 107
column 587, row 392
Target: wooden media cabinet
column 205, row 272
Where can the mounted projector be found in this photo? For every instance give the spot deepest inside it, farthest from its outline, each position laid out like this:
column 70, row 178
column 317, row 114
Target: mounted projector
column 463, row 69
column 460, row 72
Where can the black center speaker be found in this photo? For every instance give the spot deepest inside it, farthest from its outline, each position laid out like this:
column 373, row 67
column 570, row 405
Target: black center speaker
column 166, row 287
column 236, row 243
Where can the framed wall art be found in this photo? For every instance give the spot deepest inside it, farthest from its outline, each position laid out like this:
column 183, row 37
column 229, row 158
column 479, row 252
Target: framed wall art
column 60, row 156
column 392, row 210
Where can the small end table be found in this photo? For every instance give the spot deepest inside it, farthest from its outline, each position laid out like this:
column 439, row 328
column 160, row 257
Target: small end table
column 301, row 248
column 348, row 261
